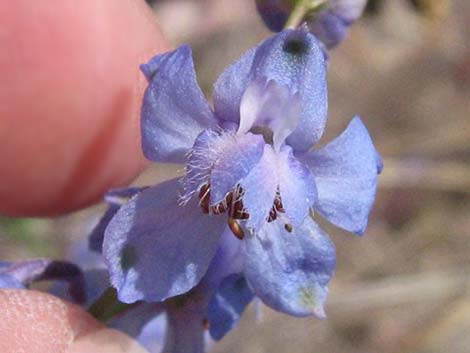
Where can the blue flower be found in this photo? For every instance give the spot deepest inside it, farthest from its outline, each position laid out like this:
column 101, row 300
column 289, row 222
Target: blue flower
column 251, row 182
column 329, row 24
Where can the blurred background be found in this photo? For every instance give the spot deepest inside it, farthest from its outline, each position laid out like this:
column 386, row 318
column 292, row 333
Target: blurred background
column 405, row 286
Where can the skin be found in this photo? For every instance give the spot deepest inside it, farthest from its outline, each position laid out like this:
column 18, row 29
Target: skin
column 69, row 130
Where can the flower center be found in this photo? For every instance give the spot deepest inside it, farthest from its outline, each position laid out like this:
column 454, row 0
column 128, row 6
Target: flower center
column 233, row 205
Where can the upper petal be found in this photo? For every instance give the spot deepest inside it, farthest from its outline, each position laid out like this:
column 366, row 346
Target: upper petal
column 155, row 248
column 267, row 104
column 290, row 271
column 174, row 110
column 291, row 58
column 346, row 175
column 227, row 305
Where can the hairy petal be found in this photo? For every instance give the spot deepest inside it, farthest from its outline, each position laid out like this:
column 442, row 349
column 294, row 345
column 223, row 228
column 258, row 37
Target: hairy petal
column 346, row 172
column 227, row 305
column 236, row 156
column 297, row 187
column 155, row 249
column 290, row 271
column 174, row 110
column 223, row 158
column 291, row 58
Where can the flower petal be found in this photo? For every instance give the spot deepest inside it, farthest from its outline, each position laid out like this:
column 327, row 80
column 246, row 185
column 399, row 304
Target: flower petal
column 346, row 175
column 260, row 188
column 223, row 158
column 156, row 249
column 230, row 87
column 174, row 110
column 235, row 159
column 7, row 281
column 115, row 199
column 297, row 187
column 290, row 271
column 23, row 273
column 274, row 13
column 269, row 104
column 291, row 58
column 227, row 305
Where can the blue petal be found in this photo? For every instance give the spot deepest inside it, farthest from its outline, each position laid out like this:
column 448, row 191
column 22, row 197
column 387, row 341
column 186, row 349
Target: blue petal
column 7, row 281
column 331, row 25
column 266, row 104
column 274, row 13
column 290, row 271
column 230, row 87
column 155, row 248
column 291, row 58
column 174, row 110
column 96, row 282
column 223, row 158
column 260, row 188
column 346, row 175
column 329, row 28
column 22, row 274
column 297, row 187
column 115, row 199
column 227, row 305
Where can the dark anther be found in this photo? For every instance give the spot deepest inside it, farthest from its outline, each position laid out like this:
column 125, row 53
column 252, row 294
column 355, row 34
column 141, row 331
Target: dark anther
column 205, row 323
column 288, row 227
column 272, row 214
column 236, row 228
column 204, row 198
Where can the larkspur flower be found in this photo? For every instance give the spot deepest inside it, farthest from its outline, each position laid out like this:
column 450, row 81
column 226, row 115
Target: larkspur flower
column 330, row 23
column 250, row 172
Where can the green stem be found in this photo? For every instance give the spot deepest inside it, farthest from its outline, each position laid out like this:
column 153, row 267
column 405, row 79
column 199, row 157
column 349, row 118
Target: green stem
column 108, row 305
column 302, row 8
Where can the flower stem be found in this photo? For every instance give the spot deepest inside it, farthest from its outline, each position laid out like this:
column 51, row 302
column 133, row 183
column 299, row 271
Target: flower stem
column 302, row 8
column 108, row 305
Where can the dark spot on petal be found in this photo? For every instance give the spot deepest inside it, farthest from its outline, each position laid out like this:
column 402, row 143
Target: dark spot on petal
column 296, row 45
column 128, row 257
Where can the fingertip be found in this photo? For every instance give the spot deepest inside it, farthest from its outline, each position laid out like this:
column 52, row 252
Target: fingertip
column 70, row 101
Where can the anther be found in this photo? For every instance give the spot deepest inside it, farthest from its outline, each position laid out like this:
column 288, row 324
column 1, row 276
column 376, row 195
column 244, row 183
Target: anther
column 236, row 228
column 288, row 227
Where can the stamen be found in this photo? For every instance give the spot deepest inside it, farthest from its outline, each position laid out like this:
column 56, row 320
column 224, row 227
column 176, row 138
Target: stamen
column 288, row 227
column 236, row 228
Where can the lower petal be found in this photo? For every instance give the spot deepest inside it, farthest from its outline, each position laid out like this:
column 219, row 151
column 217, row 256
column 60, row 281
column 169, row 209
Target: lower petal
column 290, row 271
column 155, row 249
